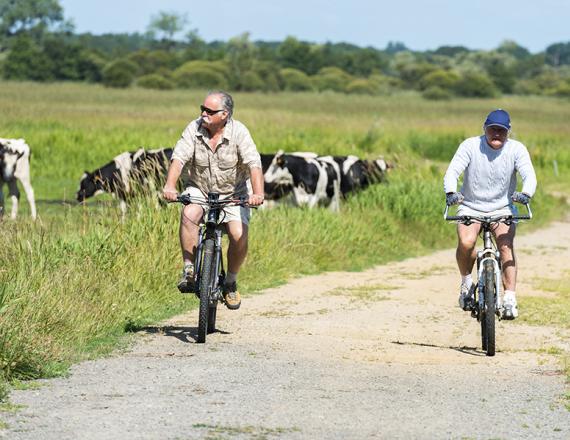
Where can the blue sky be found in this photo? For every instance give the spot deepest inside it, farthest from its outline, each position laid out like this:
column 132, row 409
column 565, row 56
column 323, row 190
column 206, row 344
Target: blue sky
column 421, row 25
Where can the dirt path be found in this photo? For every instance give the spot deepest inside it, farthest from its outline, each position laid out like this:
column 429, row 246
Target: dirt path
column 380, row 354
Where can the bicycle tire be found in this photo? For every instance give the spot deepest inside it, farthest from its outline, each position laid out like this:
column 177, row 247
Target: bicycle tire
column 212, row 318
column 205, row 288
column 489, row 318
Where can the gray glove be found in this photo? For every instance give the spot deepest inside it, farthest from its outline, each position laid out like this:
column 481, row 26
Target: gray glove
column 453, row 198
column 520, row 197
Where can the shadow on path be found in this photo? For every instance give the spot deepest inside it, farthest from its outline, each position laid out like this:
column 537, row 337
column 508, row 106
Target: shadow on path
column 472, row 351
column 184, row 334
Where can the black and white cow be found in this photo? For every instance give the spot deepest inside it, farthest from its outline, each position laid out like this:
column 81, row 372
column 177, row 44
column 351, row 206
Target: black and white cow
column 14, row 166
column 358, row 174
column 128, row 174
column 311, row 180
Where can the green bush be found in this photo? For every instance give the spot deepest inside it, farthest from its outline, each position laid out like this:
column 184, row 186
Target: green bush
column 331, row 78
column 26, row 60
column 295, row 80
column 476, row 85
column 385, row 84
column 362, row 87
column 251, row 81
column 201, row 75
column 220, row 67
column 270, row 76
column 562, row 91
column 155, row 81
column 199, row 78
column 436, row 93
column 151, row 61
column 119, row 74
column 443, row 79
column 527, row 87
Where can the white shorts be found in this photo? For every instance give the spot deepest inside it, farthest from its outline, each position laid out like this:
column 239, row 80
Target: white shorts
column 229, row 214
column 507, row 210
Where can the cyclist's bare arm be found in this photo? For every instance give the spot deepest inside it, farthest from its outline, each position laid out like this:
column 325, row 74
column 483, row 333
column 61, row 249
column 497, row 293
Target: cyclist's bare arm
column 174, row 170
column 257, row 197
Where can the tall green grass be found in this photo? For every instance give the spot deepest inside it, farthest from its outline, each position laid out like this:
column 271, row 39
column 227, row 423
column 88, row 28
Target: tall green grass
column 74, row 282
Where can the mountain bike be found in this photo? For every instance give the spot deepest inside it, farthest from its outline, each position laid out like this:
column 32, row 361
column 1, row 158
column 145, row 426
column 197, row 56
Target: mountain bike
column 487, row 301
column 209, row 270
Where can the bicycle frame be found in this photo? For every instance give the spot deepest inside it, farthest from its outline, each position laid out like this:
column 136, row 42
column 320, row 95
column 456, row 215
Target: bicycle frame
column 489, row 253
column 211, row 228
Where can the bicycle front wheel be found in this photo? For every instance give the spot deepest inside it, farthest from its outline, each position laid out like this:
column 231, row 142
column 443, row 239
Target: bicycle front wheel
column 488, row 314
column 206, row 277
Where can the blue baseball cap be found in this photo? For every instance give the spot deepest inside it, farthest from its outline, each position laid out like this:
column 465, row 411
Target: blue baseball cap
column 498, row 117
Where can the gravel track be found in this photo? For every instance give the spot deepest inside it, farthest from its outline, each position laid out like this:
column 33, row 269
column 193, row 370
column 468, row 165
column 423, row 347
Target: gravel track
column 383, row 353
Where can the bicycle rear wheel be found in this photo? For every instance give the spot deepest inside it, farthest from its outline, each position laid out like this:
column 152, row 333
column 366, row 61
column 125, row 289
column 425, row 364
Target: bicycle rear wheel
column 488, row 313
column 206, row 277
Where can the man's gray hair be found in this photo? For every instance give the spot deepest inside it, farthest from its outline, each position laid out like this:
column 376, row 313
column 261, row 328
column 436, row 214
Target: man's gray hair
column 226, row 100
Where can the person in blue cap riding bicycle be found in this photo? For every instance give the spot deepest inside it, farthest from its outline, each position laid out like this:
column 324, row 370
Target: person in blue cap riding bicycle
column 489, row 164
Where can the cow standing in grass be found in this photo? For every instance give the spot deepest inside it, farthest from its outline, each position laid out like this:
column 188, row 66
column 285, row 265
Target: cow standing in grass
column 311, row 180
column 14, row 166
column 128, row 174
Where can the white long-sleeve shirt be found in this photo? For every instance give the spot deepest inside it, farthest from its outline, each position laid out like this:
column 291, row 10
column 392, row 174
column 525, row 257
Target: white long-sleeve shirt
column 489, row 175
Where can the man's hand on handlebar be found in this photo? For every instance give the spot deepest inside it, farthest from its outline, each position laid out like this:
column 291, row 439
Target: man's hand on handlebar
column 255, row 199
column 169, row 194
column 521, row 198
column 453, row 198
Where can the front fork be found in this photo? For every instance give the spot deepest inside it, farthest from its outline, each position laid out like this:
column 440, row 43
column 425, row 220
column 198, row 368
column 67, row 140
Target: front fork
column 218, row 265
column 495, row 258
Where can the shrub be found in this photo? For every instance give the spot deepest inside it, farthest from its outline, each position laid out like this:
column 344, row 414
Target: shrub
column 119, row 73
column 331, row 78
column 476, row 85
column 155, row 81
column 436, row 93
column 151, row 61
column 563, row 90
column 362, row 87
column 443, row 79
column 385, row 84
column 199, row 78
column 201, row 75
column 220, row 67
column 270, row 76
column 26, row 60
column 251, row 81
column 527, row 87
column 295, row 80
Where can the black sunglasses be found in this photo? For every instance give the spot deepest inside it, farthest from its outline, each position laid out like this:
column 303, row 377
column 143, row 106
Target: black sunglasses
column 209, row 111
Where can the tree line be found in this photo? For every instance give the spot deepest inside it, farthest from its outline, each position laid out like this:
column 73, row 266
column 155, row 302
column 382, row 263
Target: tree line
column 36, row 43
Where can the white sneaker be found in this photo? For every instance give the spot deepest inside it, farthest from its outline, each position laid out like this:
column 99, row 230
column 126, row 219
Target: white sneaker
column 510, row 310
column 466, row 296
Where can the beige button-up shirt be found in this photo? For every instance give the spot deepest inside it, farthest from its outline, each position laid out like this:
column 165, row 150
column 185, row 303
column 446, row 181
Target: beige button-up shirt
column 225, row 170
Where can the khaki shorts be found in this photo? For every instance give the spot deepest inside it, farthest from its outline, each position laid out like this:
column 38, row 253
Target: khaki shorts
column 229, row 214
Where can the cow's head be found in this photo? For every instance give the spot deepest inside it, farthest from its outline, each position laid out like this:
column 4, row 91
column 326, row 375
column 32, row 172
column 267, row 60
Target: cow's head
column 278, row 172
column 89, row 185
column 8, row 160
column 278, row 180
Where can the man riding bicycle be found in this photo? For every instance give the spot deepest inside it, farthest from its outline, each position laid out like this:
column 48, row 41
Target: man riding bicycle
column 489, row 164
column 217, row 154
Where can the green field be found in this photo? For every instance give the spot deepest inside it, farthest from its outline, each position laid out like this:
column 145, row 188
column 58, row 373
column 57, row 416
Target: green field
column 74, row 282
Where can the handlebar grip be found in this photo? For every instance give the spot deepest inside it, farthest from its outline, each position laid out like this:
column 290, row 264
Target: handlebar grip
column 185, row 199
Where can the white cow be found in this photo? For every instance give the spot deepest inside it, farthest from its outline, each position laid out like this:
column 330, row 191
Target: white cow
column 14, row 166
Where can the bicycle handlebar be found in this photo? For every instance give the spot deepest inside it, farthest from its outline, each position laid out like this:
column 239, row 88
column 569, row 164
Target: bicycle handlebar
column 185, row 199
column 468, row 219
